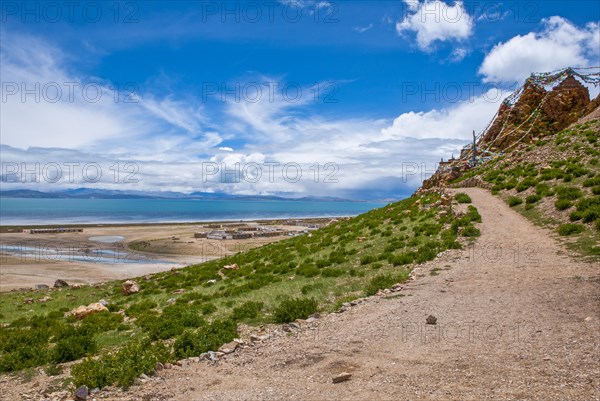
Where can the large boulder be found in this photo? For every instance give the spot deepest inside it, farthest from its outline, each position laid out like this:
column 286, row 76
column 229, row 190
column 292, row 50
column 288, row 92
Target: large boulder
column 60, row 283
column 130, row 287
column 83, row 311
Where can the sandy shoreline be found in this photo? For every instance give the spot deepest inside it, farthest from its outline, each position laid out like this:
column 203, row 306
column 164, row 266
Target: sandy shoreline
column 30, row 259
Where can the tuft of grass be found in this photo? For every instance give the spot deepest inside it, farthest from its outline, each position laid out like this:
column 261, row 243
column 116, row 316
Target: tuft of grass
column 462, row 197
column 470, row 231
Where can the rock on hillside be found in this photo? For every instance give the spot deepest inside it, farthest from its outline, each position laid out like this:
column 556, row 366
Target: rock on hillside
column 557, row 109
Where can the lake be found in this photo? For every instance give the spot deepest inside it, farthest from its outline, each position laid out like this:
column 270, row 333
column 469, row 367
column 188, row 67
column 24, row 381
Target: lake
column 36, row 211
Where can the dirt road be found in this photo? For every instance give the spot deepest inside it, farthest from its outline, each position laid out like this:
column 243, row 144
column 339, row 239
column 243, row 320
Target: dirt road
column 517, row 318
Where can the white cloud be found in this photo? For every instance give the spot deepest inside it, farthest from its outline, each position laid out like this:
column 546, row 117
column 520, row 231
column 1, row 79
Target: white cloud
column 458, row 54
column 434, row 20
column 453, row 123
column 361, row 29
column 413, row 5
column 64, row 109
column 168, row 140
column 381, row 157
column 176, row 113
column 560, row 44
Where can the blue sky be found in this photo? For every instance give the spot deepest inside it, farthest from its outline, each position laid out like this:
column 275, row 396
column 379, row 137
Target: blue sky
column 360, row 97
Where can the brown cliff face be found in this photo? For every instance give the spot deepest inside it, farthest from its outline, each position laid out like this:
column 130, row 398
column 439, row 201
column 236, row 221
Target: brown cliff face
column 556, row 110
column 566, row 104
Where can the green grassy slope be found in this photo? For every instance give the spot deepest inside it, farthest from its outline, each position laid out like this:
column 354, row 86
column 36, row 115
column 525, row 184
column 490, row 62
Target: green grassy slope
column 555, row 182
column 185, row 312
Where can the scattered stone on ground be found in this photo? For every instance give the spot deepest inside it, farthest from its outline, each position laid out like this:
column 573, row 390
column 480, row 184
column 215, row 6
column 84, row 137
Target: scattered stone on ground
column 81, row 394
column 342, row 377
column 431, row 319
column 229, row 347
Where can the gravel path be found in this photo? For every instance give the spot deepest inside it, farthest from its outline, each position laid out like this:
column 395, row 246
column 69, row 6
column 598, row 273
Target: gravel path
column 517, row 318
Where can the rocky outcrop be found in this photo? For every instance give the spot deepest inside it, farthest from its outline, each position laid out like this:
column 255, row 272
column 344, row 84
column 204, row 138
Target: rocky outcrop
column 566, row 104
column 536, row 114
column 556, row 110
column 441, row 179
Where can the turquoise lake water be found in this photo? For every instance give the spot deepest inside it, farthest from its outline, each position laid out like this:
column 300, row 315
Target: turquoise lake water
column 14, row 211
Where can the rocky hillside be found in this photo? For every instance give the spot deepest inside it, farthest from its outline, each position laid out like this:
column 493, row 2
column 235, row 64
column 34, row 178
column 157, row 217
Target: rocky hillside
column 537, row 114
column 544, row 161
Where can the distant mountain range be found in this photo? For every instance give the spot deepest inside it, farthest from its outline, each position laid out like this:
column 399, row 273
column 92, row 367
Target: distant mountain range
column 89, row 193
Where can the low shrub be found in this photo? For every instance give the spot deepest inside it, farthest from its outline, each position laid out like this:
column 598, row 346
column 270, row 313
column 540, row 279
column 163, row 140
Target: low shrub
column 473, row 214
column 208, row 308
column 526, row 184
column 563, row 204
column 543, row 189
column 137, row 309
column 384, row 281
column 569, row 229
column 122, row 367
column 591, row 214
column 248, row 310
column 367, row 259
column 73, row 348
column 514, row 201
column 470, row 231
column 591, row 182
column 291, row 309
column 569, row 193
column 531, row 199
column 207, row 338
column 588, row 203
column 402, row 259
column 308, row 271
column 575, row 215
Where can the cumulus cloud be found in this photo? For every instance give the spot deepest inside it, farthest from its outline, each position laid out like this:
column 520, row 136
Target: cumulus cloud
column 559, row 44
column 453, row 123
column 434, row 20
